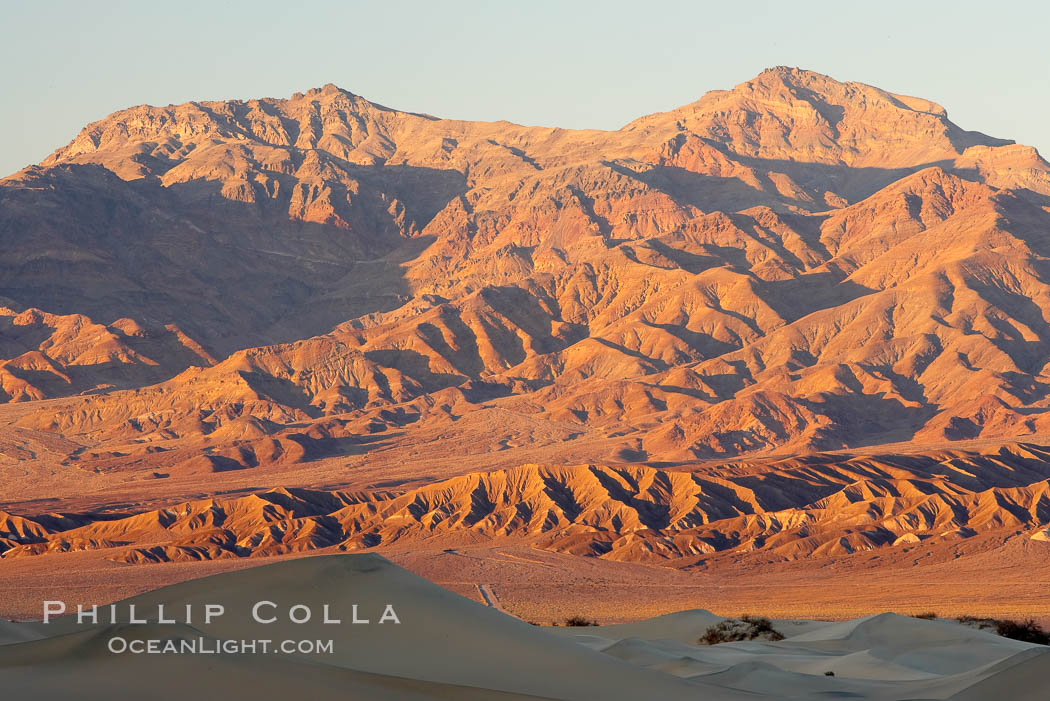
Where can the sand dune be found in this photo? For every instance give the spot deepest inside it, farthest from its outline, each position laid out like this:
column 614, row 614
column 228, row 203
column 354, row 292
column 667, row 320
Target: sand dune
column 448, row 647
column 1023, row 677
column 885, row 657
column 443, row 638
column 11, row 632
column 79, row 665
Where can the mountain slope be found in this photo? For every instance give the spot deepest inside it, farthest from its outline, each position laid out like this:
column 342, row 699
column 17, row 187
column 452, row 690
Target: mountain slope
column 794, row 264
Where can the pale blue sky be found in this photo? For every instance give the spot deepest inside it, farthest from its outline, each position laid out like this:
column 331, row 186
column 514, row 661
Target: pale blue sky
column 570, row 64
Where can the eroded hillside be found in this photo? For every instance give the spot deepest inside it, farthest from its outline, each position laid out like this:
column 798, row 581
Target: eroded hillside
column 796, row 264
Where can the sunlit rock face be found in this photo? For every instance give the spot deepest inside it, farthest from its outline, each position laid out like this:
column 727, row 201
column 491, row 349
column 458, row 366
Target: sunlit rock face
column 793, row 265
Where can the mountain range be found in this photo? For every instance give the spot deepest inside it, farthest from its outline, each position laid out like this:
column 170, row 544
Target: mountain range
column 285, row 290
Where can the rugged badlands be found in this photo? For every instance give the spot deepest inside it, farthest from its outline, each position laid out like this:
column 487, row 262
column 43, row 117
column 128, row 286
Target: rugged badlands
column 799, row 324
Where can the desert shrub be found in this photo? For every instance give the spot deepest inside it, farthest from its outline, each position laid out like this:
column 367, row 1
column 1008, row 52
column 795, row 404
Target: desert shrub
column 579, row 621
column 927, row 616
column 744, row 628
column 1027, row 631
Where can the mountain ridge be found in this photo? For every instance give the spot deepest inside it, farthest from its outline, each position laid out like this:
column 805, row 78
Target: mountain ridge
column 795, row 264
column 819, row 507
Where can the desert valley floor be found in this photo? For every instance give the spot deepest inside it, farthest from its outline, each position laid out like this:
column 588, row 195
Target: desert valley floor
column 546, row 574
column 446, row 647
